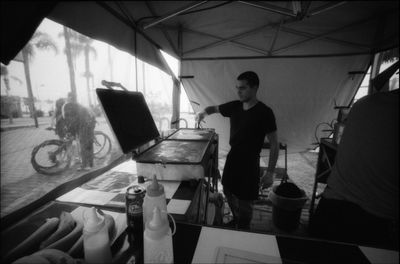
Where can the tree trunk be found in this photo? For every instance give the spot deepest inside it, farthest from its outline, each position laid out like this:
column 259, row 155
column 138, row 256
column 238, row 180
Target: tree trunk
column 144, row 78
column 68, row 53
column 29, row 86
column 110, row 63
column 87, row 73
column 10, row 106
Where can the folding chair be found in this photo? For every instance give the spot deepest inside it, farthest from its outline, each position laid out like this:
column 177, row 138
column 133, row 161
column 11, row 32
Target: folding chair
column 281, row 172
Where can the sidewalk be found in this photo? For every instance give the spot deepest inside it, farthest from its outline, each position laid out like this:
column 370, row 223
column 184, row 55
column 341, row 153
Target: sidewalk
column 23, row 122
column 26, row 122
column 20, row 183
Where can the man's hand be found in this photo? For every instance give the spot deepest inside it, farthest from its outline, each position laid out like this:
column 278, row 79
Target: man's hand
column 267, row 180
column 200, row 116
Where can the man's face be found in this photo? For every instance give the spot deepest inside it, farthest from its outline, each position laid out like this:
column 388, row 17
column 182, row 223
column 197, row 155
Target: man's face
column 245, row 92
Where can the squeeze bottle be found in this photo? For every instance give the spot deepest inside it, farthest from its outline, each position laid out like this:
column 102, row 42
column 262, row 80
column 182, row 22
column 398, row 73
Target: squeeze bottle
column 157, row 240
column 155, row 196
column 96, row 242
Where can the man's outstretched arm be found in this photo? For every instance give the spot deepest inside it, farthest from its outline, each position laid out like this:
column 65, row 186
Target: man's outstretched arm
column 207, row 111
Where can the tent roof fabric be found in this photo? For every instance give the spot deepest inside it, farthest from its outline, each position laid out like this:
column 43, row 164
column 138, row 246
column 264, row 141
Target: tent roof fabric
column 209, row 29
column 304, row 50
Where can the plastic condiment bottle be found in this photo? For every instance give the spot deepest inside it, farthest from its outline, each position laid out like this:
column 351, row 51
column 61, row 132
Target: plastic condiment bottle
column 157, row 240
column 155, row 196
column 96, row 242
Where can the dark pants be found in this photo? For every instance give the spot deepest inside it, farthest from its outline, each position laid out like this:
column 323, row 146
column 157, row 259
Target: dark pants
column 348, row 222
column 242, row 210
column 86, row 137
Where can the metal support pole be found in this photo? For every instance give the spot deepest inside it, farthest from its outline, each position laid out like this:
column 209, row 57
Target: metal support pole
column 173, row 14
column 375, row 67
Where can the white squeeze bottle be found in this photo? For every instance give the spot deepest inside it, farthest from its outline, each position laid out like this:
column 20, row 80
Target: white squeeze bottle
column 157, row 240
column 155, row 196
column 96, row 242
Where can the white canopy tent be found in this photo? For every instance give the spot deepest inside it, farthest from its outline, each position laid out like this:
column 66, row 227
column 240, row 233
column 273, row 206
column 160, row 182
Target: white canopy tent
column 310, row 55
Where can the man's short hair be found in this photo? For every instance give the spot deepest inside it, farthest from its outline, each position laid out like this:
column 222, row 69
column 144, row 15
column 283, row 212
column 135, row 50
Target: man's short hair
column 251, row 78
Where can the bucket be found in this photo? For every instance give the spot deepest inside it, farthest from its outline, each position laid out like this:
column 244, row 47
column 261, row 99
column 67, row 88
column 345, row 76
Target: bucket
column 286, row 211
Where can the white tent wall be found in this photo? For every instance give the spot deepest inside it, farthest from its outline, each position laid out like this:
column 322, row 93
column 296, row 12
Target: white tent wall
column 301, row 91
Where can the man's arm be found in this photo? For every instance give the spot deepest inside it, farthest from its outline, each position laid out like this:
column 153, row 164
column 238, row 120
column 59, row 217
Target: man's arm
column 207, row 111
column 273, row 158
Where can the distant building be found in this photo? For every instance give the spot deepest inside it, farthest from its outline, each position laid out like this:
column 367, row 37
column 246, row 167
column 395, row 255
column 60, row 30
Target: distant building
column 11, row 105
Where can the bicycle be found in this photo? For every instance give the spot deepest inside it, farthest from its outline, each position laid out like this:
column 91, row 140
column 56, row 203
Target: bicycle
column 55, row 155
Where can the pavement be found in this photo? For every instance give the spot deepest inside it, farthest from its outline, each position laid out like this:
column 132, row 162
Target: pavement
column 23, row 122
column 20, row 183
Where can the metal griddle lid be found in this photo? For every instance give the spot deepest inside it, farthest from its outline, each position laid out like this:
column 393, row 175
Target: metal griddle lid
column 129, row 117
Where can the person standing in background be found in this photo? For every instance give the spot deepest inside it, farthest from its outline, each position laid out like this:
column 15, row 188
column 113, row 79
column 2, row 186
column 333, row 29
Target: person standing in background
column 81, row 123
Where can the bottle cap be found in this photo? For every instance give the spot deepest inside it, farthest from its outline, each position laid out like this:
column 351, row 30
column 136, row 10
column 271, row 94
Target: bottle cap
column 155, row 188
column 157, row 227
column 92, row 221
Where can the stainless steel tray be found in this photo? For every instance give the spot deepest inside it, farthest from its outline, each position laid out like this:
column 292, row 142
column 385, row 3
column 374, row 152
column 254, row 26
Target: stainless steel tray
column 192, row 134
column 175, row 152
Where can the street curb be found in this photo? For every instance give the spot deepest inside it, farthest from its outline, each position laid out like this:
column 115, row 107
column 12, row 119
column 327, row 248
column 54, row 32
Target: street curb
column 17, row 127
column 8, row 128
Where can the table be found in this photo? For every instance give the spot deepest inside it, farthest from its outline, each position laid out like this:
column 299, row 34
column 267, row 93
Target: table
column 195, row 243
column 108, row 190
column 204, row 244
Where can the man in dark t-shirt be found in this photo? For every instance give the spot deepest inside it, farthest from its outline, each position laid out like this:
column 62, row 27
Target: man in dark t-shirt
column 251, row 123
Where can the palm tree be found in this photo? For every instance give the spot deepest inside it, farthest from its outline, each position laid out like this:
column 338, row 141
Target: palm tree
column 87, row 49
column 6, row 79
column 39, row 41
column 110, row 63
column 68, row 53
column 79, row 43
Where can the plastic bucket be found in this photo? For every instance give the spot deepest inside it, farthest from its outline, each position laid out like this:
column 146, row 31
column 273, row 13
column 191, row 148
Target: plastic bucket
column 286, row 211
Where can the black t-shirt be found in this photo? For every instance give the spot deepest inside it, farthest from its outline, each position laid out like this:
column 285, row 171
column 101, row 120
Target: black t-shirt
column 247, row 132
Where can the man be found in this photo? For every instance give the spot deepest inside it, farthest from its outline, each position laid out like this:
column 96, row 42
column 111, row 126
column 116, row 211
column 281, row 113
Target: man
column 251, row 123
column 57, row 121
column 80, row 123
column 361, row 201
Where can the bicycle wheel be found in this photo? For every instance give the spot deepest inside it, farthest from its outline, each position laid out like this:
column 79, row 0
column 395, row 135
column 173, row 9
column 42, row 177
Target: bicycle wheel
column 50, row 157
column 101, row 144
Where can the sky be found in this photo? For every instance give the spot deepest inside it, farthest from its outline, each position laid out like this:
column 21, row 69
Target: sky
column 50, row 74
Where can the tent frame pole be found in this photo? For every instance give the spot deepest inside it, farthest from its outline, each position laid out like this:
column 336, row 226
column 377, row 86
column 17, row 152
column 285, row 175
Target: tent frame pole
column 173, row 14
column 375, row 67
column 241, row 35
column 127, row 22
column 276, row 34
column 245, row 46
column 324, row 8
column 276, row 57
column 271, row 8
column 378, row 56
column 162, row 27
column 176, row 89
column 312, row 37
